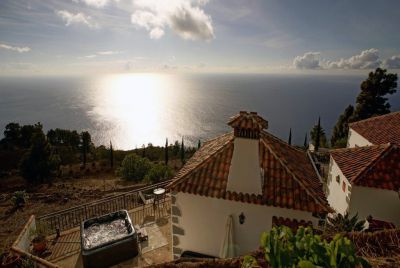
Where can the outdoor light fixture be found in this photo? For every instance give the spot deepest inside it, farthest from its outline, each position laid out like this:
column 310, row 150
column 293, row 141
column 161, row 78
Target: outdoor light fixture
column 242, row 217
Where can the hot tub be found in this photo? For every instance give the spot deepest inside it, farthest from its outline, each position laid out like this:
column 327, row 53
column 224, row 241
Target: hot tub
column 108, row 240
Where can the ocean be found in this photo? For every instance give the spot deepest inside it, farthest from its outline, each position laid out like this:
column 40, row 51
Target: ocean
column 135, row 109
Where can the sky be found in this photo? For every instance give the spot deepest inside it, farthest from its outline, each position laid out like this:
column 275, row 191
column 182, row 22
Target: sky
column 69, row 37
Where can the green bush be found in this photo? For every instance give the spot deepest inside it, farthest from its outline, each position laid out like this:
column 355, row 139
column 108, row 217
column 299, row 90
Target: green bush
column 158, row 172
column 134, row 167
column 282, row 249
column 19, row 198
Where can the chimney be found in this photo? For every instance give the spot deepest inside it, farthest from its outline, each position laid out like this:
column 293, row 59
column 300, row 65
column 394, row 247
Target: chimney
column 244, row 172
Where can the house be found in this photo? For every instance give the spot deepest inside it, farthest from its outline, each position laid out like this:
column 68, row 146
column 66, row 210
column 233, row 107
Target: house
column 376, row 130
column 240, row 184
column 365, row 177
column 366, row 180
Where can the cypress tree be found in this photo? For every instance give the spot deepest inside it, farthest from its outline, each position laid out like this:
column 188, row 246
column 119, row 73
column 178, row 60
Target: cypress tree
column 182, row 152
column 305, row 142
column 317, row 138
column 290, row 137
column 111, row 155
column 198, row 144
column 166, row 151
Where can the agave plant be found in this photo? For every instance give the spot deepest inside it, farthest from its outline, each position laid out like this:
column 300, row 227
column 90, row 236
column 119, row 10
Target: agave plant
column 345, row 223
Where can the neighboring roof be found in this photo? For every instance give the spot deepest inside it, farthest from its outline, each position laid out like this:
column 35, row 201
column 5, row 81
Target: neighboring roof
column 289, row 178
column 375, row 166
column 380, row 129
column 248, row 120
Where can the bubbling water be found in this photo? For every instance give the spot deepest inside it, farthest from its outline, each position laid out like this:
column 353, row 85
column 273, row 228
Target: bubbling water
column 101, row 233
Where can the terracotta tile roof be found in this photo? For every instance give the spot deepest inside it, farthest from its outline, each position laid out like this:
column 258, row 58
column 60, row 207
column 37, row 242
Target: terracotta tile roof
column 248, row 120
column 375, row 166
column 380, row 129
column 293, row 224
column 289, row 178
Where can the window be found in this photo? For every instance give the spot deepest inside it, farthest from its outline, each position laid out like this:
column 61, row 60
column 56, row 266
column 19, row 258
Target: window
column 338, row 179
column 344, row 187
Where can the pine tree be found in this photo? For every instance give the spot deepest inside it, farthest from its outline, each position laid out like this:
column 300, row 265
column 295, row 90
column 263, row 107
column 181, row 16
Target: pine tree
column 341, row 129
column 182, row 152
column 290, row 137
column 372, row 101
column 166, row 152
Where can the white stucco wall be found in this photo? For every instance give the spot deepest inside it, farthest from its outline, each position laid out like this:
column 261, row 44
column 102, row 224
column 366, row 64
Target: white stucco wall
column 356, row 140
column 336, row 197
column 381, row 204
column 245, row 172
column 201, row 224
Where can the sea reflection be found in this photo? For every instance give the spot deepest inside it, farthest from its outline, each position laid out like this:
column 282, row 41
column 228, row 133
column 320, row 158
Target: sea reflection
column 130, row 109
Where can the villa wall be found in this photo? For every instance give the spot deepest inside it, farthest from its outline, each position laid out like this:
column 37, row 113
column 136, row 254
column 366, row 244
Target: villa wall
column 198, row 223
column 381, row 204
column 356, row 140
column 337, row 198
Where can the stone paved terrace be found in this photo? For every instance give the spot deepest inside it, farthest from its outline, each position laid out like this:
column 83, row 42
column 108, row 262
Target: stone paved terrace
column 65, row 251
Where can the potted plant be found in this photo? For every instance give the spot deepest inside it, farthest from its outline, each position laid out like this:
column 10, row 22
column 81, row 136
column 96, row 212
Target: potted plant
column 9, row 261
column 39, row 242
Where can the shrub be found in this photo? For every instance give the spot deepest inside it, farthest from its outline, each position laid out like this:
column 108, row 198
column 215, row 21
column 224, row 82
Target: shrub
column 158, row 172
column 134, row 167
column 19, row 198
column 305, row 250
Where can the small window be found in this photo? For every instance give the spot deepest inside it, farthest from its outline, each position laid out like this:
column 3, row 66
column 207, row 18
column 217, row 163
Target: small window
column 338, row 179
column 344, row 187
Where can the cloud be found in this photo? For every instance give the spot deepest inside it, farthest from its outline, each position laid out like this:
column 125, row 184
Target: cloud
column 366, row 60
column 392, row 62
column 109, row 52
column 96, row 3
column 310, row 60
column 78, row 18
column 17, row 49
column 184, row 17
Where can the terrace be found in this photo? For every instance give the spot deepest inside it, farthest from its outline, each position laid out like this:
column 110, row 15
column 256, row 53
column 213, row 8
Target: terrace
column 151, row 214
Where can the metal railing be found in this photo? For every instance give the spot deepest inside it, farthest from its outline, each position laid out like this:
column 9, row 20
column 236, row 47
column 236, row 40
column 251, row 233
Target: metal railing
column 72, row 217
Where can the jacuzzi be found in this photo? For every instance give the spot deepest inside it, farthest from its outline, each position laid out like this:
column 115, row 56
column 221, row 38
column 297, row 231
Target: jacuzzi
column 108, row 240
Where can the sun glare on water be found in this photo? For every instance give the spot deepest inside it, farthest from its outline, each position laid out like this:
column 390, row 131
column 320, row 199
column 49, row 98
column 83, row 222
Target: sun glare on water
column 130, row 107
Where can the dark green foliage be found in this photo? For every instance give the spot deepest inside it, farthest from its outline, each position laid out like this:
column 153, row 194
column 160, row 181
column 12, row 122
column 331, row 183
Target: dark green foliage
column 341, row 129
column 15, row 135
column 158, row 173
column 318, row 136
column 86, row 142
column 290, row 137
column 340, row 223
column 176, row 148
column 182, row 152
column 305, row 142
column 19, row 198
column 372, row 101
column 64, row 137
column 134, row 167
column 111, row 156
column 304, row 249
column 35, row 165
column 143, row 151
column 166, row 152
column 198, row 144
column 12, row 133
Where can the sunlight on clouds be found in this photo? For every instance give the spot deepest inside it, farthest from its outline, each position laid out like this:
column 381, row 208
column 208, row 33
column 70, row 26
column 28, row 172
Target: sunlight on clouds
column 185, row 18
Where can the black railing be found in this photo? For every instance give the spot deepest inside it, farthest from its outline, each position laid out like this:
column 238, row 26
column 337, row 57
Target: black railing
column 72, row 217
